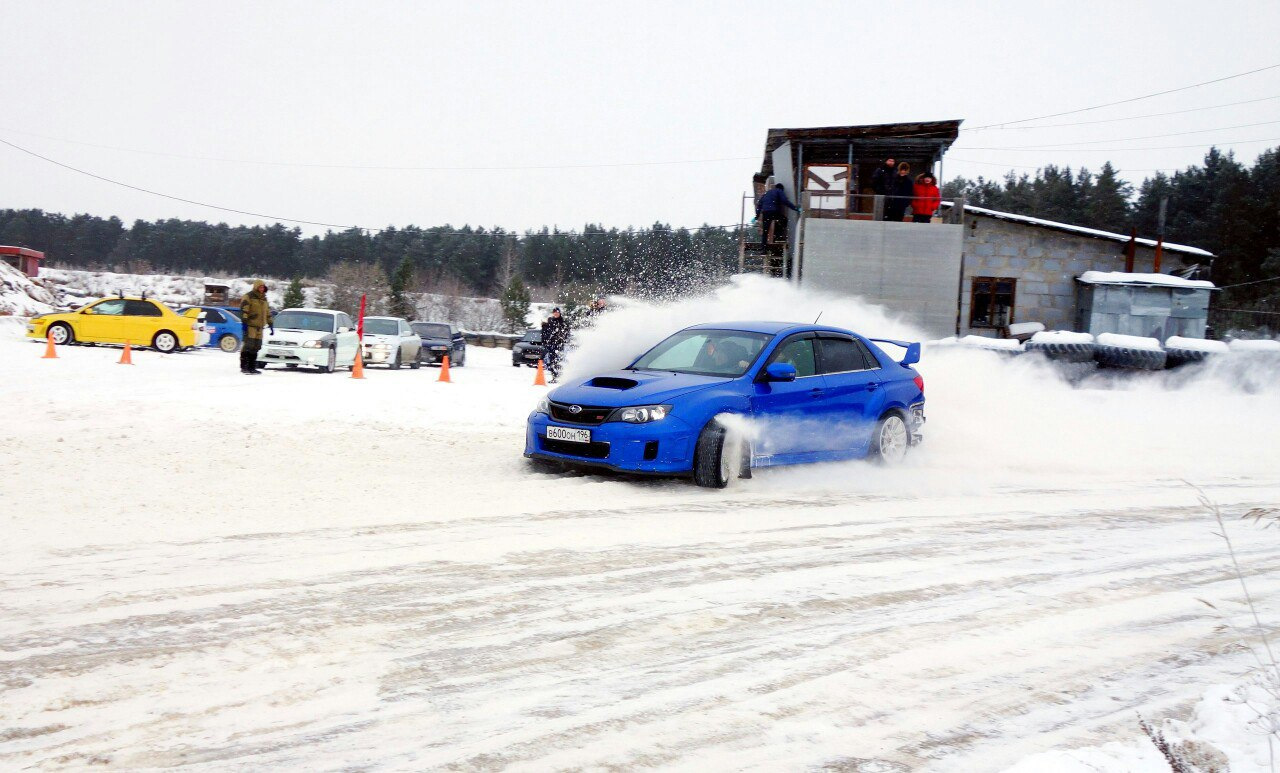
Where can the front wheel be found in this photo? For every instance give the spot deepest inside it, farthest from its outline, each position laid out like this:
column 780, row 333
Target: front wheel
column 395, row 364
column 332, row 364
column 719, row 457
column 228, row 343
column 61, row 334
column 889, row 445
column 165, row 342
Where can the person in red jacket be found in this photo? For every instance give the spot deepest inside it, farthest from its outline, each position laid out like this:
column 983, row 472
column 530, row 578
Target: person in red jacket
column 925, row 198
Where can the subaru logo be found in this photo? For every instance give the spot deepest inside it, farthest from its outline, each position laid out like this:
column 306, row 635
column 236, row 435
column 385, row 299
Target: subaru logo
column 575, row 409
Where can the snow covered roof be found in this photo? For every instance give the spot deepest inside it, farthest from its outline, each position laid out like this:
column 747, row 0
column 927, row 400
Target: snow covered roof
column 1145, row 280
column 1077, row 229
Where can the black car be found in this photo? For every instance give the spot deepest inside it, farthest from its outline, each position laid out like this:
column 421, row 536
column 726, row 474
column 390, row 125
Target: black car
column 528, row 350
column 438, row 340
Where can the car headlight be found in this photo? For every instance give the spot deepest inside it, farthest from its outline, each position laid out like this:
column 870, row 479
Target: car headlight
column 642, row 414
column 544, row 406
column 313, row 344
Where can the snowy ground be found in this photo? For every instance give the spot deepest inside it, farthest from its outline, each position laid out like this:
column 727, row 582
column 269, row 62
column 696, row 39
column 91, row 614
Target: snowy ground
column 313, row 572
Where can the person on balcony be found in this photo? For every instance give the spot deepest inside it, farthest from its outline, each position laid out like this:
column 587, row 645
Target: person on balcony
column 900, row 192
column 881, row 178
column 926, row 199
column 773, row 221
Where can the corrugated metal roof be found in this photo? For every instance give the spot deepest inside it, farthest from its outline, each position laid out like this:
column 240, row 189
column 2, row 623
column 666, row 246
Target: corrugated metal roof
column 890, row 139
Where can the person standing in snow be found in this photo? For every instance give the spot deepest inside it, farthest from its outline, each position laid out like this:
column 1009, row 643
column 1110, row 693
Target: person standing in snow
column 255, row 315
column 925, row 198
column 900, row 192
column 769, row 213
column 555, row 336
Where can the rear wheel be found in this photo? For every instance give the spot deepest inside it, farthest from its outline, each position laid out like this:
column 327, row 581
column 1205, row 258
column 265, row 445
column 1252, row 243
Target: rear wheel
column 228, row 343
column 61, row 334
column 889, row 444
column 165, row 342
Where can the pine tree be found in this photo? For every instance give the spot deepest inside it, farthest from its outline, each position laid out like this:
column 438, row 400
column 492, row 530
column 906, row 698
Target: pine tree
column 401, row 281
column 515, row 304
column 1106, row 202
column 293, row 297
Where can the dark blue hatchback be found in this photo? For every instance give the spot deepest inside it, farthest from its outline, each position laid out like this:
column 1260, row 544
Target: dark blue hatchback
column 715, row 401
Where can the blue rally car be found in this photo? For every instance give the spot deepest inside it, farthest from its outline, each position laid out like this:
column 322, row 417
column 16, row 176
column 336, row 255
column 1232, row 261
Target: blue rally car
column 714, row 401
column 223, row 326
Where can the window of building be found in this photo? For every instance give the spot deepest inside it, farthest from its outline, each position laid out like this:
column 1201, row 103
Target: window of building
column 991, row 304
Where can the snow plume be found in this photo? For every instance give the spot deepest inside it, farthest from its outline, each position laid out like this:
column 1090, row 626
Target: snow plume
column 993, row 419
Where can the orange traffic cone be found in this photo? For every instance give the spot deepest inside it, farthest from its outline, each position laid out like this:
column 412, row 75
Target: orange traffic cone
column 444, row 370
column 50, row 353
column 357, row 367
column 126, row 357
column 541, row 378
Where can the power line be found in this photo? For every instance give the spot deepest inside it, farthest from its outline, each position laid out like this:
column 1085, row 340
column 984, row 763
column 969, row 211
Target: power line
column 504, row 234
column 1243, row 126
column 1127, row 101
column 1254, row 282
column 1041, row 166
column 378, row 167
column 1117, row 120
column 1125, row 150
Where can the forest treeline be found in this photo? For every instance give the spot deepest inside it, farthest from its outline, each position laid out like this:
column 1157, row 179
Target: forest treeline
column 1221, row 205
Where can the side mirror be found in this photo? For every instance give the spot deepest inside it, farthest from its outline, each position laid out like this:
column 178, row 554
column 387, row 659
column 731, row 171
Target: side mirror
column 344, row 330
column 780, row 371
column 913, row 355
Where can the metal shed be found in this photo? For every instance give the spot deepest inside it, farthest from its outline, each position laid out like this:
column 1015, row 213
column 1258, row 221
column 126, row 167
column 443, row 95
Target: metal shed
column 1147, row 305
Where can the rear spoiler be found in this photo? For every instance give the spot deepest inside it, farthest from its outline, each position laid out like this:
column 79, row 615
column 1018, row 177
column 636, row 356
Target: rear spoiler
column 913, row 349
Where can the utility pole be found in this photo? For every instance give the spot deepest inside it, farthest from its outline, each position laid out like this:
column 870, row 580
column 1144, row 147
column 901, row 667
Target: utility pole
column 1164, row 208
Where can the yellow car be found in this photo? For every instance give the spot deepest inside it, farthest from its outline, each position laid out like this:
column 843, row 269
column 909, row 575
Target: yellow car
column 139, row 321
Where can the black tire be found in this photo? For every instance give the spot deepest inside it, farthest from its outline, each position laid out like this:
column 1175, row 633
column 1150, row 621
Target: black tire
column 1062, row 352
column 1129, row 358
column 891, row 439
column 332, row 364
column 515, row 364
column 61, row 333
column 710, row 463
column 395, row 364
column 165, row 342
column 228, row 343
column 1178, row 356
column 417, row 362
column 462, row 361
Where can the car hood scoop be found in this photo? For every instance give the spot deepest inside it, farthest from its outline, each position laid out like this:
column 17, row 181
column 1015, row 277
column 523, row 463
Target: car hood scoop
column 627, row 387
column 613, row 382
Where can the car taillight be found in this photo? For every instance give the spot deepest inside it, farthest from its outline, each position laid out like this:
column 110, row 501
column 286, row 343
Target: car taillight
column 919, row 383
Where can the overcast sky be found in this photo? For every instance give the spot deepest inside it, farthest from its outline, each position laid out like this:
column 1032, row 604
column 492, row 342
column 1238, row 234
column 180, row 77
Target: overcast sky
column 550, row 85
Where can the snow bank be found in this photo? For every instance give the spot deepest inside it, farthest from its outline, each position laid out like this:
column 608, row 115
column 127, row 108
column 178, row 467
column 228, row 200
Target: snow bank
column 1062, row 337
column 1254, row 345
column 23, row 296
column 1129, row 342
column 983, row 342
column 1195, row 344
column 1023, row 328
column 1120, row 277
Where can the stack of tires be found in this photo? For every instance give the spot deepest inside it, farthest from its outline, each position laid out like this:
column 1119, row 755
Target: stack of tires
column 1063, row 346
column 1113, row 350
column 1184, row 351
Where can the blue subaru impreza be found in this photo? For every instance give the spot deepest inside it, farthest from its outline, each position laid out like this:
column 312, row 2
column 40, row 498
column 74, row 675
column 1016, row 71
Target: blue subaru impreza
column 714, row 401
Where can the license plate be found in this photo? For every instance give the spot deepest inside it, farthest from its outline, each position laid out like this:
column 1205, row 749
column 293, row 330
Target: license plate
column 278, row 352
column 571, row 435
column 531, row 356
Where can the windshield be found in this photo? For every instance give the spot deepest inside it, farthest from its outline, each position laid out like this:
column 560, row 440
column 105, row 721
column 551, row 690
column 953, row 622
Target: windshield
column 726, row 353
column 304, row 320
column 431, row 330
column 381, row 327
column 532, row 337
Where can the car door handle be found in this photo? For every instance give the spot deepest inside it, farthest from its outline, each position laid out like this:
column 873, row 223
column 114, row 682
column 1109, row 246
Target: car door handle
column 816, row 392
column 872, row 386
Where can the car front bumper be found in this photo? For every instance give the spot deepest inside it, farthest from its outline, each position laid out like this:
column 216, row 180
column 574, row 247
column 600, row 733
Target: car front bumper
column 659, row 448
column 378, row 356
column 293, row 355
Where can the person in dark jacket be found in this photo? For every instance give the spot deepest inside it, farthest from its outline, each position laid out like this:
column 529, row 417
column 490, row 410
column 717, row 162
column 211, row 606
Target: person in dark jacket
column 881, row 177
column 769, row 213
column 255, row 315
column 555, row 336
column 899, row 193
column 925, row 199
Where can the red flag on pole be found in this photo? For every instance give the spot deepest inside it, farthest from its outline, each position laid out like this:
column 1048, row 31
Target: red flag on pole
column 360, row 322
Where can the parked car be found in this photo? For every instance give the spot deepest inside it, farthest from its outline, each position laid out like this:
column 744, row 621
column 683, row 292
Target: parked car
column 528, row 350
column 390, row 341
column 223, row 326
column 715, row 401
column 440, row 339
column 318, row 338
column 138, row 321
